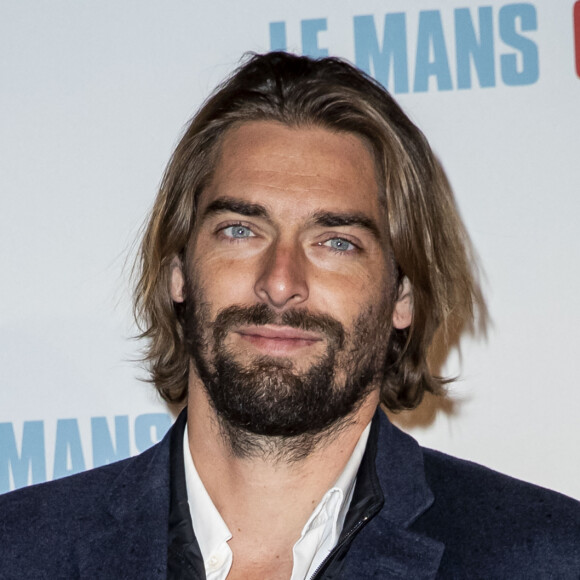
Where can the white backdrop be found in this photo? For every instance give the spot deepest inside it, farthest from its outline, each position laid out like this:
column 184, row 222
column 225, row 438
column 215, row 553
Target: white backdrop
column 94, row 97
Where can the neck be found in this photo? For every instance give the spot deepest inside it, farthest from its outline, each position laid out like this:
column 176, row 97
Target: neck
column 252, row 490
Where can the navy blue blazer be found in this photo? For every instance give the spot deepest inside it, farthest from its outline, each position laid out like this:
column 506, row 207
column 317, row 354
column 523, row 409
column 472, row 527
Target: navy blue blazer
column 441, row 517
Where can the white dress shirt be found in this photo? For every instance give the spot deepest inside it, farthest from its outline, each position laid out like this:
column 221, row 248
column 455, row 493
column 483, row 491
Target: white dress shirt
column 318, row 537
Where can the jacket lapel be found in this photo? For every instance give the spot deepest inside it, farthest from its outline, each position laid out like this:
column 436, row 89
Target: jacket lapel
column 385, row 547
column 132, row 540
column 384, row 550
column 132, row 543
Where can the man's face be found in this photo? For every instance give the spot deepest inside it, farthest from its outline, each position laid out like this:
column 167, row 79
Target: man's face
column 287, row 282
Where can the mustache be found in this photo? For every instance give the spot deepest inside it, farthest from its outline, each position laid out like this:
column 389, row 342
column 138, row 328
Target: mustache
column 261, row 314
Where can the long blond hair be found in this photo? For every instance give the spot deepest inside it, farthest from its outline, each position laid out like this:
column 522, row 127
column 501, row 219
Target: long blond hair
column 427, row 238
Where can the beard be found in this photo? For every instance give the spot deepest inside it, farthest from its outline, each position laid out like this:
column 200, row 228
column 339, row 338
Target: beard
column 268, row 406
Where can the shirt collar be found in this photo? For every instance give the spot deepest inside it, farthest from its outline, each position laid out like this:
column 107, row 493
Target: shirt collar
column 335, row 502
column 320, row 533
column 210, row 529
column 323, row 528
column 396, row 466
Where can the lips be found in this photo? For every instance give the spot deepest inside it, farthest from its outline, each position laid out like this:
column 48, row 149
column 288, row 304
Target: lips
column 279, row 332
column 278, row 339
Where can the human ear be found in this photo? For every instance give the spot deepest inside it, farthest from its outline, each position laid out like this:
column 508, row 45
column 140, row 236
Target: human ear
column 177, row 280
column 403, row 311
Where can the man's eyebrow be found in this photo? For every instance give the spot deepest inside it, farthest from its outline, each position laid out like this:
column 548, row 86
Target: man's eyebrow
column 230, row 204
column 333, row 219
column 327, row 219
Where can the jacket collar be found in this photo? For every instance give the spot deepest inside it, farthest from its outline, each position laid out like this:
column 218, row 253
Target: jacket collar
column 134, row 543
column 391, row 493
column 401, row 473
column 391, row 484
column 184, row 558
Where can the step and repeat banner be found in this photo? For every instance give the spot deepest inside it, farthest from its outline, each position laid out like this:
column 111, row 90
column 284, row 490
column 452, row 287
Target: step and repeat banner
column 94, row 97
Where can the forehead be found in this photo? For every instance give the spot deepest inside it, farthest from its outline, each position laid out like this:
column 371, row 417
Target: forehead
column 296, row 169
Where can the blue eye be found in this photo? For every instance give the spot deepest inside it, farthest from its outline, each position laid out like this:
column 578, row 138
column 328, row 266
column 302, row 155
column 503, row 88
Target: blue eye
column 340, row 245
column 238, row 232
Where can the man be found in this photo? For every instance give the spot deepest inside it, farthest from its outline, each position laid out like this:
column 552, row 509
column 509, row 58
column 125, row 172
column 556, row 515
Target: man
column 303, row 250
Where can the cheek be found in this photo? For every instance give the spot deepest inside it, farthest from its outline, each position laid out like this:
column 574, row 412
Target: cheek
column 359, row 280
column 346, row 297
column 225, row 282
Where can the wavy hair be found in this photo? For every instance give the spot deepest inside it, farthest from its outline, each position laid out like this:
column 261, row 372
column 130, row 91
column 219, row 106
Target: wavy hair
column 427, row 238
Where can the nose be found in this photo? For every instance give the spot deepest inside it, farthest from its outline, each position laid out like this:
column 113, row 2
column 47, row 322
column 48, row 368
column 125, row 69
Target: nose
column 282, row 280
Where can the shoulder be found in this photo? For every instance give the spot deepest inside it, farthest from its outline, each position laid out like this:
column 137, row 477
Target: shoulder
column 44, row 527
column 43, row 500
column 486, row 516
column 83, row 491
column 458, row 481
